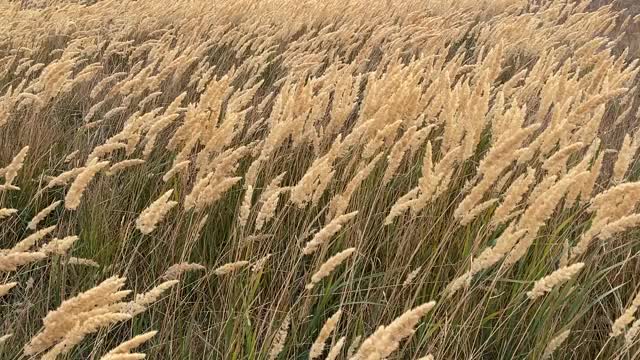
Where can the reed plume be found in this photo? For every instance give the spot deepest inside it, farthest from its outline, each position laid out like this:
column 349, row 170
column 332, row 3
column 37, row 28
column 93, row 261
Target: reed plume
column 79, row 185
column 327, row 232
column 328, row 266
column 152, row 215
column 329, row 326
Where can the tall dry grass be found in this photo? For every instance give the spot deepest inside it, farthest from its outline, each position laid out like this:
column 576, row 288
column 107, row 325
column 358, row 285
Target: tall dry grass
column 304, row 180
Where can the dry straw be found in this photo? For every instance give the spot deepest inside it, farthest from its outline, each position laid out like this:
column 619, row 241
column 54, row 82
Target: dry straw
column 268, row 209
column 322, row 236
column 355, row 343
column 143, row 301
column 77, row 316
column 31, row 240
column 59, row 246
column 627, row 317
column 74, row 336
column 74, row 195
column 411, row 276
column 64, row 178
column 33, row 224
column 4, row 338
column 513, row 196
column 201, row 225
column 511, row 149
column 9, row 187
column 428, row 357
column 555, row 343
column 336, row 349
column 7, row 212
column 151, row 216
column 176, row 270
column 11, row 171
column 317, row 348
column 245, row 207
column 281, row 337
column 340, row 202
column 81, row 261
column 258, row 266
column 537, row 213
column 475, row 212
column 71, row 156
column 327, row 268
column 5, row 288
column 625, row 158
column 102, row 150
column 386, row 339
column 127, row 346
column 273, row 185
column 230, row 267
column 122, row 165
column 547, row 283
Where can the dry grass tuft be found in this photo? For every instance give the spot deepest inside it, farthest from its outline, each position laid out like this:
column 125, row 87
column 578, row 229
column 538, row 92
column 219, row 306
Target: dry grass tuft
column 481, row 154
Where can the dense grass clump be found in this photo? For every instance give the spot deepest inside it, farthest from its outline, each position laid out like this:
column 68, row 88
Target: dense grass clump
column 318, row 180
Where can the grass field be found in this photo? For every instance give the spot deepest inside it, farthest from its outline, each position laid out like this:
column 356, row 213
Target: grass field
column 338, row 179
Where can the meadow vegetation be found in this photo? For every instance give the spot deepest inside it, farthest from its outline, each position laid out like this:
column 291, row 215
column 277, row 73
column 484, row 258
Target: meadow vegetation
column 302, row 179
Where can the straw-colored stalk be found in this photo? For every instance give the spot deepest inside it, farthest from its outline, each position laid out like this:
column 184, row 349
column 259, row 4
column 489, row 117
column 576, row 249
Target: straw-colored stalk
column 33, row 224
column 322, row 236
column 152, row 215
column 386, row 339
column 555, row 343
column 11, row 171
column 281, row 337
column 547, row 283
column 329, row 326
column 74, row 195
column 230, row 267
column 327, row 268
